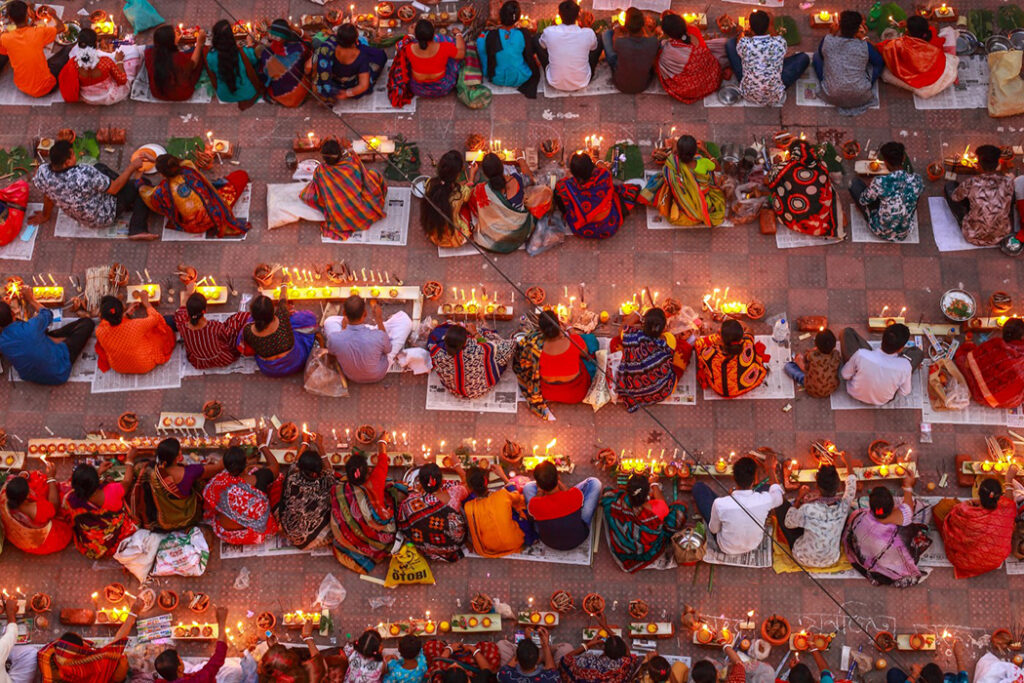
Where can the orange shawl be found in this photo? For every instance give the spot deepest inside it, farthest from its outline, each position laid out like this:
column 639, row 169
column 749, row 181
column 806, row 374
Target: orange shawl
column 913, row 61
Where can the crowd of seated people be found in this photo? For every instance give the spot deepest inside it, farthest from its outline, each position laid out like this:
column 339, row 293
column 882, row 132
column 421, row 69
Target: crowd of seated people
column 339, row 64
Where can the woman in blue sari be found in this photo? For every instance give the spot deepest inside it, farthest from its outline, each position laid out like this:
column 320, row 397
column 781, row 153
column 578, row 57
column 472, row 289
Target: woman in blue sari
column 592, row 203
column 506, row 53
column 344, row 68
column 279, row 338
column 283, row 64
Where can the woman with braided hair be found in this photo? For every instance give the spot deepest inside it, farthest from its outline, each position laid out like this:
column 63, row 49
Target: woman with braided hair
column 432, row 517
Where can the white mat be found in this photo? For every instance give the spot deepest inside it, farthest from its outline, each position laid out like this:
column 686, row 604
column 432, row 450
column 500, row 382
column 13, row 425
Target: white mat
column 685, row 393
column 84, row 367
column 166, row 376
column 498, row 90
column 712, row 101
column 945, row 229
column 969, row 92
column 600, row 84
column 650, row 5
column 272, row 547
column 375, row 103
column 538, row 552
column 140, row 91
column 10, row 96
column 502, row 398
column 860, row 232
column 240, row 210
column 791, row 239
column 392, row 230
column 840, row 400
column 760, row 557
column 66, row 226
column 23, row 246
column 808, row 92
column 760, row 3
column 973, row 414
column 777, row 385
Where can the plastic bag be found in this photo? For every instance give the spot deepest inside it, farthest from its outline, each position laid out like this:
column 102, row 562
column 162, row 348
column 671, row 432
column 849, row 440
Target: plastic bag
column 323, row 375
column 182, row 553
column 408, row 566
column 331, row 593
column 991, row 669
column 242, row 580
column 137, row 553
column 551, row 230
column 13, row 201
column 599, row 394
column 142, row 15
column 947, row 388
column 538, row 200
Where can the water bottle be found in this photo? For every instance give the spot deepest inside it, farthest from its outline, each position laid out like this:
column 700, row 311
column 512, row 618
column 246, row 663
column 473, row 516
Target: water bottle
column 780, row 333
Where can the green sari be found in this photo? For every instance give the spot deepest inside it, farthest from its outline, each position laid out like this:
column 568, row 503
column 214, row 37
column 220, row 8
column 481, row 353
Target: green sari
column 686, row 196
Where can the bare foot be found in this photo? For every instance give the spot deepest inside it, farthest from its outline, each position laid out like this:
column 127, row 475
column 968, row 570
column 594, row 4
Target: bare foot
column 144, row 237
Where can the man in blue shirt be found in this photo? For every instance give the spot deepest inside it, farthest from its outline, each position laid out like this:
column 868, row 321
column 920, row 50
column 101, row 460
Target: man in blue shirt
column 38, row 355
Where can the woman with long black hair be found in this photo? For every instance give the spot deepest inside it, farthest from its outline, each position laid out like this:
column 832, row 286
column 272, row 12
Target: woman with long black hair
column 503, row 224
column 173, row 74
column 507, row 55
column 208, row 343
column 232, row 69
column 445, row 216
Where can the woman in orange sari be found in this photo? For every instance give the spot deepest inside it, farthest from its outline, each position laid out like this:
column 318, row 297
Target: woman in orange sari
column 731, row 363
column 917, row 61
column 29, row 505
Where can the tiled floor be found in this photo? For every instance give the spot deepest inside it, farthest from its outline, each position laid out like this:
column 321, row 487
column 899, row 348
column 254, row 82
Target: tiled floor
column 847, row 282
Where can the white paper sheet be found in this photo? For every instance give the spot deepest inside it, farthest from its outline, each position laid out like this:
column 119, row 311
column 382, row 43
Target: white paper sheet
column 859, row 231
column 21, row 249
column 945, row 229
column 502, row 398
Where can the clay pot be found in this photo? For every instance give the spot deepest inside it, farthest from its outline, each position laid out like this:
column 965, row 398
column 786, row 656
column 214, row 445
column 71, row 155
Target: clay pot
column 606, row 458
column 481, row 604
column 263, row 275
column 365, row 434
column 432, row 290
column 114, row 592
column 266, row 621
column 638, row 609
column 1001, row 639
column 187, row 274
column 288, row 432
column 755, row 309
column 511, row 453
column 561, row 601
column 40, row 602
column 212, row 410
column 775, row 629
column 1000, row 303
column 550, row 148
column 198, row 602
column 593, row 604
column 128, row 422
column 935, row 171
column 876, row 451
column 851, row 148
column 536, row 295
column 885, row 641
column 167, row 600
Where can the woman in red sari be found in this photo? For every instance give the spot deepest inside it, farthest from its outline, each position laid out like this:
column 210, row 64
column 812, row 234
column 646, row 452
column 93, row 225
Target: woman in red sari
column 29, row 511
column 686, row 68
column 442, row 656
column 803, row 196
column 994, row 369
column 978, row 534
column 237, row 501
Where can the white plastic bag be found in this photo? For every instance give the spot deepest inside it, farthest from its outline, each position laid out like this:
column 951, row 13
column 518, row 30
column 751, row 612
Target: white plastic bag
column 331, row 593
column 137, row 553
column 182, row 553
column 551, row 230
column 991, row 669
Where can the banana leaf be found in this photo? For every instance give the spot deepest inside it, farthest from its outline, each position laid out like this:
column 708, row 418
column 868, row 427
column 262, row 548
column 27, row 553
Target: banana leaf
column 879, row 14
column 16, row 162
column 1009, row 17
column 184, row 148
column 713, row 149
column 631, row 167
column 788, row 29
column 86, row 147
column 980, row 23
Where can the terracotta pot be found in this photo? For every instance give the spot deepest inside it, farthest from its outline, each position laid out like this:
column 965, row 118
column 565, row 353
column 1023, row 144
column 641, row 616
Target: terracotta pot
column 432, row 290
column 481, row 604
column 885, row 641
column 1000, row 303
column 1001, row 639
column 851, row 148
column 512, row 452
column 167, row 600
column 365, row 434
column 935, row 171
column 212, row 409
column 593, row 604
column 755, row 309
column 638, row 609
column 128, row 422
column 775, row 639
column 876, row 449
column 561, row 601
column 266, row 621
column 40, row 602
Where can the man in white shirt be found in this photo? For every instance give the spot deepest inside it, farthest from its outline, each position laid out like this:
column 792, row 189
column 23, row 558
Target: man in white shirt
column 737, row 520
column 873, row 376
column 568, row 51
column 23, row 667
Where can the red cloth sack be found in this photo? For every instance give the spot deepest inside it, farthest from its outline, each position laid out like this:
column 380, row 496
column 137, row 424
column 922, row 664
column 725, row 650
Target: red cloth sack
column 13, row 200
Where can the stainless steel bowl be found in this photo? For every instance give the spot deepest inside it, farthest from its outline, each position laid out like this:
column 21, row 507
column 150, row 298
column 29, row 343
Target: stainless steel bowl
column 1017, row 38
column 729, row 95
column 997, row 43
column 966, row 42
